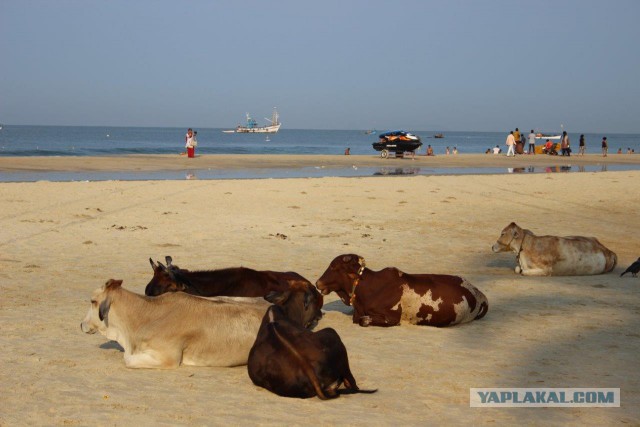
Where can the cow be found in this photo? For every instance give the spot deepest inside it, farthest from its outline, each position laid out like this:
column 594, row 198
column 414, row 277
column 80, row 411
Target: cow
column 389, row 297
column 236, row 281
column 291, row 361
column 177, row 328
column 553, row 255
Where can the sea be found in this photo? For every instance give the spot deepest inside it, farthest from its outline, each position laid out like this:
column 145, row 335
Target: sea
column 22, row 140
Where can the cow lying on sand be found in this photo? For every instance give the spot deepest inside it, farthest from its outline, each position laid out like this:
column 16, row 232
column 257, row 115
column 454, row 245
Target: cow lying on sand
column 177, row 328
column 235, row 282
column 555, row 256
column 389, row 296
column 291, row 361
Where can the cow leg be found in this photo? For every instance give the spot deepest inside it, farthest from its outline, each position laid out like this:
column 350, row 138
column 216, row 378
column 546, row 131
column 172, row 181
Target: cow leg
column 375, row 320
column 536, row 272
column 151, row 360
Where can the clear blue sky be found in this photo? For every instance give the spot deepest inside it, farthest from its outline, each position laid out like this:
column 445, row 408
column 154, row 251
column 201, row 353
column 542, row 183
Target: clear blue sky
column 332, row 64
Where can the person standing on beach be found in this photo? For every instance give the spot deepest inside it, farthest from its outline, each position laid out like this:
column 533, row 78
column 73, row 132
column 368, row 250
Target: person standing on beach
column 605, row 146
column 511, row 142
column 188, row 143
column 516, row 135
column 532, row 143
column 582, row 146
column 564, row 145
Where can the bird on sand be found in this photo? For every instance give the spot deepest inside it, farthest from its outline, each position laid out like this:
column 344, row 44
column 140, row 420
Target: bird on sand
column 633, row 269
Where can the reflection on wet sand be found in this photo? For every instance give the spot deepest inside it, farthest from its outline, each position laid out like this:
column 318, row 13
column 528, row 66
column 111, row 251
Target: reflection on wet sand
column 397, row 171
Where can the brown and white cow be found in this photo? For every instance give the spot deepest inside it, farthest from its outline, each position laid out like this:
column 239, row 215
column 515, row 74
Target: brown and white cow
column 178, row 328
column 292, row 361
column 390, row 296
column 553, row 255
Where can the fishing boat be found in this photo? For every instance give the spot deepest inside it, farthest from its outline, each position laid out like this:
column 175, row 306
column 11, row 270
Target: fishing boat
column 252, row 126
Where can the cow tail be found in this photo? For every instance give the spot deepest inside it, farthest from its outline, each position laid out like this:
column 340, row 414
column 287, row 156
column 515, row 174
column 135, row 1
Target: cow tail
column 308, row 370
column 355, row 390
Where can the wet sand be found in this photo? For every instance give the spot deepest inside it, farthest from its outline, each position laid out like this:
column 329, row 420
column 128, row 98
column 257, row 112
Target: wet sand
column 248, row 161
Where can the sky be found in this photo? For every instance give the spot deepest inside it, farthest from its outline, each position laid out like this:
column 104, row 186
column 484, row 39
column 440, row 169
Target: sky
column 489, row 65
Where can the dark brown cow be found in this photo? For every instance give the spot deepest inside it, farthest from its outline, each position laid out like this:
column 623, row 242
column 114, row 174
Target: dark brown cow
column 293, row 362
column 389, row 296
column 234, row 282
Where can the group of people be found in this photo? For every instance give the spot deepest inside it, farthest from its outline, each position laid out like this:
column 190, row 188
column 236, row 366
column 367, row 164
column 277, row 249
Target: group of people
column 190, row 142
column 515, row 145
column 516, row 142
column 447, row 150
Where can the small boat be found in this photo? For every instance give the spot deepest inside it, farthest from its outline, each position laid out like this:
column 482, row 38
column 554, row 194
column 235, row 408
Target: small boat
column 370, row 132
column 552, row 136
column 252, row 126
column 229, row 131
column 438, row 135
column 547, row 136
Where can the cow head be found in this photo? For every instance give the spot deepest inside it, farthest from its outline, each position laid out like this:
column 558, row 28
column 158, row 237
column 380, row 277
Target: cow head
column 97, row 319
column 302, row 307
column 165, row 279
column 341, row 275
column 510, row 239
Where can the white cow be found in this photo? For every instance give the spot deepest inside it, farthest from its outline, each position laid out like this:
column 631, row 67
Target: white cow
column 553, row 255
column 176, row 328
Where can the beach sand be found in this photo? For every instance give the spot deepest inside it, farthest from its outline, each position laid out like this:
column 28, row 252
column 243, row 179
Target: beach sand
column 60, row 241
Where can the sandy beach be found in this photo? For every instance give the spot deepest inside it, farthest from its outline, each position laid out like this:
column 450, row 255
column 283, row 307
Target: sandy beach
column 61, row 240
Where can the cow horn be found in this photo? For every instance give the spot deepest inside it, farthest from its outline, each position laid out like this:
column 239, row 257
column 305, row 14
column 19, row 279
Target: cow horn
column 152, row 264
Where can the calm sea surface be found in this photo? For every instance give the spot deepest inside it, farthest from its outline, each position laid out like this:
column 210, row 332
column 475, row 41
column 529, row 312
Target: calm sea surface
column 108, row 141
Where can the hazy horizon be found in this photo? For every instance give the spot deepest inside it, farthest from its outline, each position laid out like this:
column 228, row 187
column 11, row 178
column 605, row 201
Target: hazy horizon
column 462, row 65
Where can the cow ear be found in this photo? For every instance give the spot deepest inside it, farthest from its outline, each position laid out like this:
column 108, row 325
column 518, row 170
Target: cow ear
column 112, row 284
column 103, row 310
column 278, row 298
column 168, row 259
column 346, row 258
column 161, row 266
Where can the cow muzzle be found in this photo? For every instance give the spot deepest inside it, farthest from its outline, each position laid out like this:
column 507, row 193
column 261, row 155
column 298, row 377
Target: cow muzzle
column 87, row 329
column 498, row 248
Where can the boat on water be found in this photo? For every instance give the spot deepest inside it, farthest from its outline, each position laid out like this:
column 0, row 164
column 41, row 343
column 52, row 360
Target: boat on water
column 547, row 136
column 252, row 126
column 438, row 135
column 551, row 136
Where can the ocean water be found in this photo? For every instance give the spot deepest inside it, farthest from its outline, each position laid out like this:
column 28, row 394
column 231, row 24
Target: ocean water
column 103, row 141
